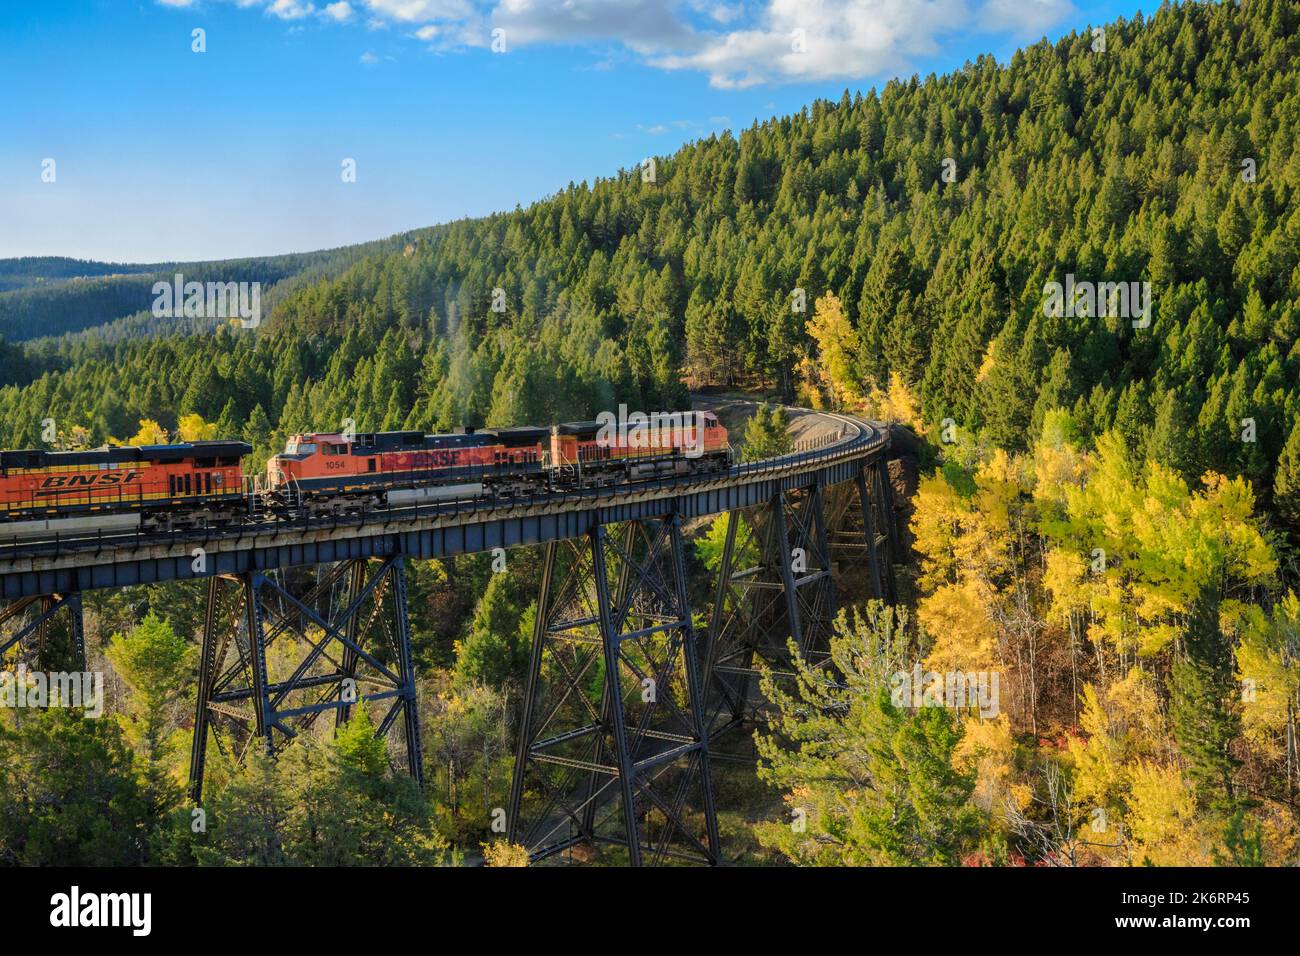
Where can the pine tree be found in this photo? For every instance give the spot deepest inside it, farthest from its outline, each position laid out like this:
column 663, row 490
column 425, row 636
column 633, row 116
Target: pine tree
column 68, row 793
column 1286, row 485
column 1205, row 719
column 767, row 433
column 869, row 782
column 156, row 664
column 495, row 649
column 886, row 299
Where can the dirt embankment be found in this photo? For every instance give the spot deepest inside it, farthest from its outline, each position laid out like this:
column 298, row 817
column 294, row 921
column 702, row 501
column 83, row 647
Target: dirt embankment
column 735, row 411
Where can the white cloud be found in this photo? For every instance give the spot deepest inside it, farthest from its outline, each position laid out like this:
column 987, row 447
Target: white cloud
column 717, row 10
column 340, row 12
column 291, row 9
column 369, row 58
column 642, row 25
column 807, row 40
column 420, row 11
column 1025, row 18
column 741, row 44
column 736, row 43
column 176, row 3
column 724, row 13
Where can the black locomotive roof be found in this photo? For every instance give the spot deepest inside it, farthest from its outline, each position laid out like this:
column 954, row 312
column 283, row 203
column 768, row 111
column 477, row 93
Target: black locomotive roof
column 581, row 429
column 475, row 440
column 415, row 441
column 389, row 441
column 518, row 437
column 123, row 454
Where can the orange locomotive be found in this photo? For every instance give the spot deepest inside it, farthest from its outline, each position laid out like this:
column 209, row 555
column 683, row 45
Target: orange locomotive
column 200, row 484
column 151, row 487
column 602, row 452
column 330, row 474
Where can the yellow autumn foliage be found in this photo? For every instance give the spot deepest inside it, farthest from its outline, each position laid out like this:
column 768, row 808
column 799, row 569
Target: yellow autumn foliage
column 1161, row 818
column 150, row 433
column 194, row 428
column 988, row 748
column 958, row 619
column 837, row 347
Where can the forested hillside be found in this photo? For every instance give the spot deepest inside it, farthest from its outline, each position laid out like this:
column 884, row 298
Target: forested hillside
column 37, row 270
column 43, row 297
column 1122, row 165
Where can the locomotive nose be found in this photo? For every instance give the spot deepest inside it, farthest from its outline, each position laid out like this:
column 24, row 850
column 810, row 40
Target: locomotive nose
column 275, row 475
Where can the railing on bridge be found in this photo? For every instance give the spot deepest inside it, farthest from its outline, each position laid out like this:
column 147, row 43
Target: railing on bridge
column 804, row 453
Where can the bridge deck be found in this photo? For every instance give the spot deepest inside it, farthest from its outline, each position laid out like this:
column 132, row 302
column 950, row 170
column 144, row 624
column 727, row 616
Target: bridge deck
column 428, row 531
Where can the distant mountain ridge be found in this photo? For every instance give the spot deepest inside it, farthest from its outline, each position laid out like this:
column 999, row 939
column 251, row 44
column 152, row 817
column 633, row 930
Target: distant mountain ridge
column 55, row 296
column 26, row 271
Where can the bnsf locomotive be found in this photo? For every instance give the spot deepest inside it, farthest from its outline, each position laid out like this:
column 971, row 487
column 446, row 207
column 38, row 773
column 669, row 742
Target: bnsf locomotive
column 151, row 488
column 202, row 484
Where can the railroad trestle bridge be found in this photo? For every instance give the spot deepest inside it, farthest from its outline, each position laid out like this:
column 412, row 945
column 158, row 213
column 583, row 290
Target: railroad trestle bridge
column 626, row 689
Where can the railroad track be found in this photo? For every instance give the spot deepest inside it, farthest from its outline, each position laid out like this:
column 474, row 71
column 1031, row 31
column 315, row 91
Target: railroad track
column 78, row 562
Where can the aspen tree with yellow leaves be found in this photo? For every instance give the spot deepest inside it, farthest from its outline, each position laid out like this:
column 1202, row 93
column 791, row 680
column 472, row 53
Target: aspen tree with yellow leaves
column 1146, row 687
column 836, row 341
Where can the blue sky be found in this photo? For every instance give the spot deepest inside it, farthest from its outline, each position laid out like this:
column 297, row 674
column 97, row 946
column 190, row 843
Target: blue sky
column 164, row 153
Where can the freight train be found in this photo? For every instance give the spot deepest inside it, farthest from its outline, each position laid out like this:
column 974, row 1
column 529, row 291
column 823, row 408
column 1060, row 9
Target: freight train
column 202, row 484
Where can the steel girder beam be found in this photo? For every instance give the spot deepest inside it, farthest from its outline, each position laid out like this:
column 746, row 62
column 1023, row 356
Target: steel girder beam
column 766, row 599
column 613, row 746
column 17, row 625
column 434, row 531
column 774, row 590
column 864, row 536
column 345, row 640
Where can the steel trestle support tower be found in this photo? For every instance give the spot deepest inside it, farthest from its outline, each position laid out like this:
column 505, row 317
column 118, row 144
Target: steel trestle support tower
column 776, row 585
column 347, row 640
column 613, row 747
column 48, row 609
